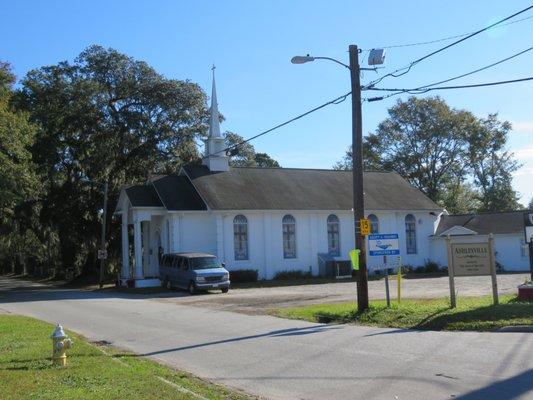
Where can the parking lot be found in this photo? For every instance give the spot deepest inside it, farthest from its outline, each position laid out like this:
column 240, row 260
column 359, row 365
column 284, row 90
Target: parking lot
column 263, row 300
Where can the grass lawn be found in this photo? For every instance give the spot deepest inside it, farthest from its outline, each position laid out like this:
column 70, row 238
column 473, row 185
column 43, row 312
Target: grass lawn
column 93, row 372
column 471, row 314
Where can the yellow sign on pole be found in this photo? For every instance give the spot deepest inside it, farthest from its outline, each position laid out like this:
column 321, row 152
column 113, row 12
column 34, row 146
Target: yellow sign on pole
column 354, row 257
column 364, row 226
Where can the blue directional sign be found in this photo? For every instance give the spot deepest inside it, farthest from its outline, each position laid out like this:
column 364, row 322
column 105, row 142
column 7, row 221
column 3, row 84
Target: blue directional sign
column 383, row 245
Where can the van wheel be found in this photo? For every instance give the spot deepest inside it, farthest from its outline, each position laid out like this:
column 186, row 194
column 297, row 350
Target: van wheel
column 192, row 288
column 225, row 290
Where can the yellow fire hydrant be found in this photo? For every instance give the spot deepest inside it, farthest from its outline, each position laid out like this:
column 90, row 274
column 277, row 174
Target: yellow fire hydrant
column 60, row 344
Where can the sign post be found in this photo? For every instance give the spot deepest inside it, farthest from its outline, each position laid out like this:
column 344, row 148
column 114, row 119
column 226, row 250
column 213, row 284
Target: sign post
column 453, row 302
column 493, row 270
column 528, row 232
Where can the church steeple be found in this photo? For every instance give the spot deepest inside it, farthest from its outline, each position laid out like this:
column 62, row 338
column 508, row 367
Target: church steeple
column 215, row 157
column 214, row 121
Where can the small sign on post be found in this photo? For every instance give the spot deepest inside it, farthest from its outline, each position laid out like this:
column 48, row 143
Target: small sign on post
column 364, row 226
column 383, row 245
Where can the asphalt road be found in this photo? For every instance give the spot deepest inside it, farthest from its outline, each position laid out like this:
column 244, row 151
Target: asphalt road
column 286, row 359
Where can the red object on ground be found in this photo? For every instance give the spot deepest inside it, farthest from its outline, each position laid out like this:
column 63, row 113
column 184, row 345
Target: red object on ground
column 525, row 293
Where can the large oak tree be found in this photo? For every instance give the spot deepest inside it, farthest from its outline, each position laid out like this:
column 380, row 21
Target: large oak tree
column 104, row 117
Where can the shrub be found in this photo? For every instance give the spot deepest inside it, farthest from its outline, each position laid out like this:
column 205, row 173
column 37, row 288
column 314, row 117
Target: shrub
column 243, row 275
column 420, row 270
column 407, row 269
column 292, row 274
column 431, row 266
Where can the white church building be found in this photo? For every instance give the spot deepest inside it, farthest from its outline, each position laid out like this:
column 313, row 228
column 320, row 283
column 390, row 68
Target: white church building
column 266, row 219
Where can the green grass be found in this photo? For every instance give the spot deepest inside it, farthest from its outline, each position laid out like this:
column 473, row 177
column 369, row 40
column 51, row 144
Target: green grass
column 26, row 370
column 471, row 314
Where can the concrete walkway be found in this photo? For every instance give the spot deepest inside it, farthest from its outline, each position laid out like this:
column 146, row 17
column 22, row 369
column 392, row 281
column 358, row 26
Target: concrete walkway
column 284, row 359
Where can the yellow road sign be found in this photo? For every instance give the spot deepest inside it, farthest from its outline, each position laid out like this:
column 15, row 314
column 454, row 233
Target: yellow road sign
column 364, row 226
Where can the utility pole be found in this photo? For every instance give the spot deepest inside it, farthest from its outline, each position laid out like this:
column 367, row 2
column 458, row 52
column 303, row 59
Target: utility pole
column 357, row 171
column 103, row 255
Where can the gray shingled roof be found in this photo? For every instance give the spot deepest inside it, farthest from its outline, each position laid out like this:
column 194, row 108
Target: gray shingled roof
column 484, row 223
column 302, row 189
column 143, row 196
column 177, row 193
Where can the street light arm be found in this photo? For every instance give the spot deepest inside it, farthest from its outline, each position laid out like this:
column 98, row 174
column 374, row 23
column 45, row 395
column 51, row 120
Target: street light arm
column 332, row 59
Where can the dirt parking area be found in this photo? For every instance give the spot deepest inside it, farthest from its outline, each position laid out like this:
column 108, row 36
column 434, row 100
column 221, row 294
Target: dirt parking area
column 263, row 300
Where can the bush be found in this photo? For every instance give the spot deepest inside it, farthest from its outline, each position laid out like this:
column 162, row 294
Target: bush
column 243, row 275
column 419, row 270
column 290, row 275
column 407, row 269
column 431, row 267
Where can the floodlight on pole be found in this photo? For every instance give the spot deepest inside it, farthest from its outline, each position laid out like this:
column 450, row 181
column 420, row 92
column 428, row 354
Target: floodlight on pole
column 302, row 59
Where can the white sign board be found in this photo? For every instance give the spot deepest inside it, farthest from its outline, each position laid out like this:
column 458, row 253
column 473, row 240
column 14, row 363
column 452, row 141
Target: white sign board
column 383, row 245
column 471, row 259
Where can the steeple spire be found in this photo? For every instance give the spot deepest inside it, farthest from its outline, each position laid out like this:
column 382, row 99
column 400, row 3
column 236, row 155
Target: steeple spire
column 214, row 121
column 215, row 155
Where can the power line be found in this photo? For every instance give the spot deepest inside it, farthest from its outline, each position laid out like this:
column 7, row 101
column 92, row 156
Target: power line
column 337, row 100
column 469, row 73
column 407, row 68
column 446, row 38
column 425, row 90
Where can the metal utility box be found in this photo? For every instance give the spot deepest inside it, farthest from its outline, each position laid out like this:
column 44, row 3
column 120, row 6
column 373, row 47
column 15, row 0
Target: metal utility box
column 376, row 57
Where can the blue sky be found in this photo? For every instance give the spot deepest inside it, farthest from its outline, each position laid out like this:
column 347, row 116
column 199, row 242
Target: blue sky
column 252, row 42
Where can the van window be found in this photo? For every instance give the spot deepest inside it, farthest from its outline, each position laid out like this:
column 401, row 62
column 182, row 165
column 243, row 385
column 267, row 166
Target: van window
column 184, row 264
column 175, row 261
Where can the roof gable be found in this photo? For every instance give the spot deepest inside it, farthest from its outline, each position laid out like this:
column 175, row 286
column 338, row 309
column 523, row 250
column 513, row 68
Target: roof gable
column 143, row 196
column 177, row 193
column 484, row 223
column 457, row 231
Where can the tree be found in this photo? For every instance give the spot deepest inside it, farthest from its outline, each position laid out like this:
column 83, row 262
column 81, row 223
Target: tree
column 19, row 185
column 263, row 160
column 456, row 159
column 244, row 155
column 422, row 140
column 530, row 205
column 492, row 166
column 104, row 117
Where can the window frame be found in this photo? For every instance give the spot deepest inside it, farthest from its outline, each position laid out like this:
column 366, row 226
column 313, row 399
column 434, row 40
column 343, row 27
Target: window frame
column 289, row 236
column 374, row 224
column 333, row 235
column 411, row 245
column 238, row 235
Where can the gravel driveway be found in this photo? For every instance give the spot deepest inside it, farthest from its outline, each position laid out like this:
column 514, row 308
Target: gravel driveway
column 262, row 300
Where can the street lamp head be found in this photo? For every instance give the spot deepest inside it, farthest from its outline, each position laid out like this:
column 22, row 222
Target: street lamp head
column 302, row 59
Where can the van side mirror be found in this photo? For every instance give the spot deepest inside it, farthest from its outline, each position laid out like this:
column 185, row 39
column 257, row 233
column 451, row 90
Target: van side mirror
column 223, row 264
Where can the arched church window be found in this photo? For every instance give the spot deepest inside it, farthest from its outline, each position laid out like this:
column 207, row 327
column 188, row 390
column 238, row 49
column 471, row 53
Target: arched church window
column 333, row 235
column 240, row 237
column 410, row 234
column 374, row 223
column 289, row 236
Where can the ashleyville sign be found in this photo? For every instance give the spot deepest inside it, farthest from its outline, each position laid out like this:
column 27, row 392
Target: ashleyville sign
column 471, row 259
